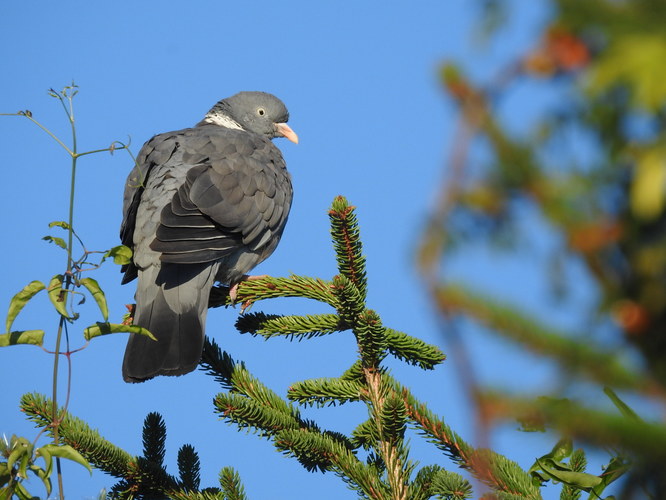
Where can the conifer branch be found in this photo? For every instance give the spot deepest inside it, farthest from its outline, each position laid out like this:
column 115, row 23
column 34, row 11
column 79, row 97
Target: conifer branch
column 589, row 425
column 99, row 452
column 218, row 363
column 189, row 468
column 422, row 488
column 322, row 392
column 354, row 373
column 582, row 357
column 154, row 438
column 391, row 449
column 298, row 327
column 432, row 480
column 251, row 291
column 207, row 494
column 244, row 383
column 366, row 435
column 347, row 244
column 496, row 471
column 349, row 299
column 412, row 350
column 252, row 406
column 393, row 418
column 336, row 457
column 144, row 476
column 371, row 338
column 232, row 487
column 450, row 485
column 249, row 415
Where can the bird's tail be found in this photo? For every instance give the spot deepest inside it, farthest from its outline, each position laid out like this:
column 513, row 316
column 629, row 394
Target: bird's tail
column 171, row 302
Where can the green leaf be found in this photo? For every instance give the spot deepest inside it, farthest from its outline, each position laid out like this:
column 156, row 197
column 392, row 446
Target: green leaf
column 59, row 223
column 19, row 301
column 65, row 451
column 621, row 405
column 48, row 459
column 579, row 479
column 58, row 295
column 32, row 337
column 616, row 468
column 232, row 486
column 121, row 254
column 633, row 60
column 100, row 328
column 21, row 453
column 97, row 293
column 54, row 239
column 41, row 474
column 4, row 475
column 562, row 449
column 647, row 196
column 22, row 493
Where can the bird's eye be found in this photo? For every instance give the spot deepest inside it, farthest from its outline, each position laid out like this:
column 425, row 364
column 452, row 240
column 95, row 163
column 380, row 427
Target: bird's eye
column 261, row 111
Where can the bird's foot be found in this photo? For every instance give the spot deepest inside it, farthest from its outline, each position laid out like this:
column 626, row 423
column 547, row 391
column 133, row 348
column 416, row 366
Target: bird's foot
column 128, row 319
column 233, row 291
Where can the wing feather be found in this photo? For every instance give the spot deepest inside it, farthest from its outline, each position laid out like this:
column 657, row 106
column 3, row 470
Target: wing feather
column 236, row 197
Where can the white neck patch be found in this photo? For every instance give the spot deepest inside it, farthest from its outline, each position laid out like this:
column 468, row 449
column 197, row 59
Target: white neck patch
column 222, row 121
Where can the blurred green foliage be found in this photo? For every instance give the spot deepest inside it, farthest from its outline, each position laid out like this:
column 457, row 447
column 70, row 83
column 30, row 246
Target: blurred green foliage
column 608, row 210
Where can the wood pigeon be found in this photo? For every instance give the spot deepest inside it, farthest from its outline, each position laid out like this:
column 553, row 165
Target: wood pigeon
column 202, row 204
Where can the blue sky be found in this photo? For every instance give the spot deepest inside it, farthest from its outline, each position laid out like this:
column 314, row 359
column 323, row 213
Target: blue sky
column 360, row 81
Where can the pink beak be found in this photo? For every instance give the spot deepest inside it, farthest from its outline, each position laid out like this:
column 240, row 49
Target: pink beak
column 285, row 131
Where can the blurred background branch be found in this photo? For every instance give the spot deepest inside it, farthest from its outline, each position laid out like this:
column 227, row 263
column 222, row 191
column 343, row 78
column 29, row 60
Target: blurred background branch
column 605, row 210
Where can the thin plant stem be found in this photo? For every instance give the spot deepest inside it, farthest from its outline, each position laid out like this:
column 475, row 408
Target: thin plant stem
column 68, row 282
column 120, row 148
column 73, row 267
column 56, row 437
column 53, row 136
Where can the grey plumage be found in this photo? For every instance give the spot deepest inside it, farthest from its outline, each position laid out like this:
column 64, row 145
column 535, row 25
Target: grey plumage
column 202, row 204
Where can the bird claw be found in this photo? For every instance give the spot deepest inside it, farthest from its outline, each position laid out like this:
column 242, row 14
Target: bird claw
column 233, row 291
column 128, row 319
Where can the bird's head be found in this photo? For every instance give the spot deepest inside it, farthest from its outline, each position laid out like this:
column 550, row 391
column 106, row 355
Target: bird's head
column 256, row 112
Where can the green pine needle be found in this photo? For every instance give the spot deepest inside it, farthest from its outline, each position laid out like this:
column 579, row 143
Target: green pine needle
column 251, row 291
column 412, row 350
column 189, row 468
column 371, row 338
column 351, row 302
column 99, row 452
column 579, row 356
column 393, row 417
column 347, row 244
column 450, row 486
column 318, row 451
column 366, row 435
column 293, row 327
column 252, row 416
column 232, row 487
column 154, row 438
column 325, row 391
column 218, row 363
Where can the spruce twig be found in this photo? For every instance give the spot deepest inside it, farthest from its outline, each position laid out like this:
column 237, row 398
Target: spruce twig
column 582, row 357
column 99, row 452
column 347, row 243
column 251, row 291
column 231, row 484
column 498, row 472
column 250, row 405
column 293, row 327
column 587, row 424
